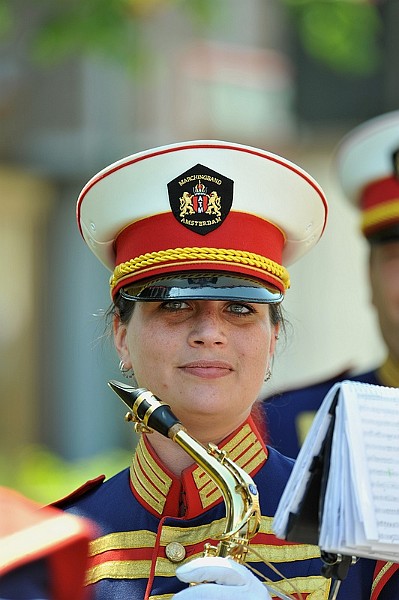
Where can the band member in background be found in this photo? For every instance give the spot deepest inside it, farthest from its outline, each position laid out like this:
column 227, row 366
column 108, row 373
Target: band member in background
column 43, row 551
column 196, row 314
column 368, row 172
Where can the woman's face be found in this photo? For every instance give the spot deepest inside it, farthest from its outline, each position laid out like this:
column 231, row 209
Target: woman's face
column 205, row 358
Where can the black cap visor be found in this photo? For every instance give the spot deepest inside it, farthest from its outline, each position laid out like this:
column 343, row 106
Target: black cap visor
column 202, row 286
column 385, row 235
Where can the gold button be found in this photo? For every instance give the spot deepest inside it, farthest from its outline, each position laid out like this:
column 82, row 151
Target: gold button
column 175, row 552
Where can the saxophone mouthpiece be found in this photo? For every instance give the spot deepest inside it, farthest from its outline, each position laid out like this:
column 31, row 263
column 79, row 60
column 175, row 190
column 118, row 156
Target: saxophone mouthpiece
column 126, row 393
column 146, row 407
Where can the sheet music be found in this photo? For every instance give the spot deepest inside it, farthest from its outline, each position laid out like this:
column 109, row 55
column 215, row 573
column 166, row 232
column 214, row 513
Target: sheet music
column 361, row 503
column 372, row 426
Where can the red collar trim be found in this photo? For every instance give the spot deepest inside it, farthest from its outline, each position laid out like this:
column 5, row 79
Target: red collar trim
column 164, row 494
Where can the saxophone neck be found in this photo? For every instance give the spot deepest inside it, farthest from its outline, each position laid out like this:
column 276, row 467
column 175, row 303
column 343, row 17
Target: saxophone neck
column 238, row 489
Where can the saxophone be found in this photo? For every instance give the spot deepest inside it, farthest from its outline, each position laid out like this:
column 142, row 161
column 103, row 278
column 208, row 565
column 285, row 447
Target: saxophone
column 239, row 492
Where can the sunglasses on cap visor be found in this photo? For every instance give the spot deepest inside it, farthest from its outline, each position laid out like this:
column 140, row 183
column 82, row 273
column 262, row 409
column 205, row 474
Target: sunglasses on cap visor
column 202, row 286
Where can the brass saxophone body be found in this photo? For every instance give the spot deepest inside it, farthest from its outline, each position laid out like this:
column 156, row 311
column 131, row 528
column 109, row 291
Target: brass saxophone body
column 239, row 491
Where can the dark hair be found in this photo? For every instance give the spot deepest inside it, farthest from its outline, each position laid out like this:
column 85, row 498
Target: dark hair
column 123, row 308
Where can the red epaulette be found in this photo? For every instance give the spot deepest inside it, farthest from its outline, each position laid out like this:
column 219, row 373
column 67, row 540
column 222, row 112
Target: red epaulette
column 86, row 487
column 382, row 573
column 30, row 532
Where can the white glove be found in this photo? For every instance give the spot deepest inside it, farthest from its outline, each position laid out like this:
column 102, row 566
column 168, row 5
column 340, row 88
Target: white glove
column 231, row 580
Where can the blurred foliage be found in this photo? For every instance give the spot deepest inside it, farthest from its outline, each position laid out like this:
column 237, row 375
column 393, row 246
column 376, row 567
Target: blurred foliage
column 45, row 477
column 342, row 34
column 109, row 29
column 5, row 18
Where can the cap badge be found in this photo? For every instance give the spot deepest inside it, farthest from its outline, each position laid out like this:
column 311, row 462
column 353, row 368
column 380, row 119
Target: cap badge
column 395, row 157
column 200, row 199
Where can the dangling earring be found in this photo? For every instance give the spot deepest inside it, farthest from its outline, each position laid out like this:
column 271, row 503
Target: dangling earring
column 128, row 373
column 268, row 374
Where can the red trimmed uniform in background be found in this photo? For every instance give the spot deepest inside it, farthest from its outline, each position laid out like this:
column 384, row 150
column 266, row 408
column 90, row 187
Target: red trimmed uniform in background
column 43, row 551
column 150, row 521
column 367, row 164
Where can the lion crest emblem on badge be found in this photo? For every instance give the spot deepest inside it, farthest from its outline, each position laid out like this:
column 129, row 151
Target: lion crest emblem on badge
column 200, row 198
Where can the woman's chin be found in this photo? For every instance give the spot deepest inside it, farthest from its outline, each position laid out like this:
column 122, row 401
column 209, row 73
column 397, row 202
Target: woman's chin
column 213, row 419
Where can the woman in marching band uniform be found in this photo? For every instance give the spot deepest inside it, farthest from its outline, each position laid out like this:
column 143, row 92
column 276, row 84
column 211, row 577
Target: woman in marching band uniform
column 198, row 236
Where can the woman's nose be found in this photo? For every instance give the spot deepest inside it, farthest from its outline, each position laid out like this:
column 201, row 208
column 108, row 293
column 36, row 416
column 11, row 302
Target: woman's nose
column 208, row 329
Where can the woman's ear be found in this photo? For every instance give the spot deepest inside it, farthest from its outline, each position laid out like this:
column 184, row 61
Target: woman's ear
column 274, row 338
column 120, row 340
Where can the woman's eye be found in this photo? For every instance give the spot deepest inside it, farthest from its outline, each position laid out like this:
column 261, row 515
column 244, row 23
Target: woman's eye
column 174, row 305
column 240, row 309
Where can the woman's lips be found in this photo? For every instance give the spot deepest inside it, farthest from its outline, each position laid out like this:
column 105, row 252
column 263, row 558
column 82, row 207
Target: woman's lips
column 208, row 369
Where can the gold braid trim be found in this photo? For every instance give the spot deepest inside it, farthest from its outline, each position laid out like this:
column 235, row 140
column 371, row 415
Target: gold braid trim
column 146, row 261
column 380, row 575
column 379, row 214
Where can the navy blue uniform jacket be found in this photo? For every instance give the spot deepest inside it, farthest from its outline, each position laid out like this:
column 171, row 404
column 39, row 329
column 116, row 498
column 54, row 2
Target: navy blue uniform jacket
column 145, row 508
